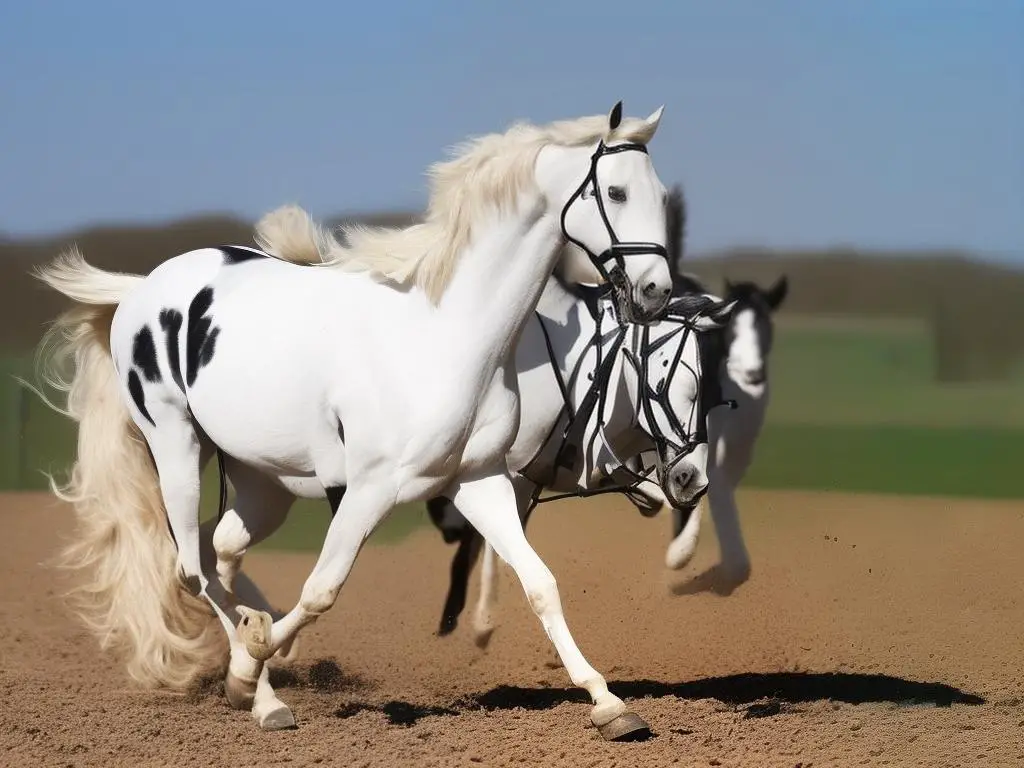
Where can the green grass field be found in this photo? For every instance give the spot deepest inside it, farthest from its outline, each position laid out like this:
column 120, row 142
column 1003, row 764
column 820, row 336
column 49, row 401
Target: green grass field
column 854, row 408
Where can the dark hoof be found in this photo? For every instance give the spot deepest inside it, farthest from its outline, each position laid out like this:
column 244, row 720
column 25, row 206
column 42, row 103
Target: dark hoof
column 626, row 727
column 448, row 625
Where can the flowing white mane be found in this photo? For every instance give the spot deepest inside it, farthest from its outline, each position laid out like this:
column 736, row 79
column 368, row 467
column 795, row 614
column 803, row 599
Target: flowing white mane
column 487, row 171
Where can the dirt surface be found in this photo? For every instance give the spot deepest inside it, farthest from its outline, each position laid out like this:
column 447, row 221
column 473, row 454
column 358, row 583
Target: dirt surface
column 873, row 631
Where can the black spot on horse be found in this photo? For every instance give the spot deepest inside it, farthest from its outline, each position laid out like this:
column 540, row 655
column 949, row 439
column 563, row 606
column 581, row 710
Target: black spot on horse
column 235, row 254
column 170, row 321
column 135, row 390
column 144, row 354
column 202, row 336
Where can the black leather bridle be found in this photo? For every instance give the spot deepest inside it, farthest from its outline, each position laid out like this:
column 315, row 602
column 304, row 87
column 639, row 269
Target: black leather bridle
column 617, row 251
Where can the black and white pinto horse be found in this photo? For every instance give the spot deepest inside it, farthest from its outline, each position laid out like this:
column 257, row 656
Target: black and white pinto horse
column 738, row 354
column 733, row 369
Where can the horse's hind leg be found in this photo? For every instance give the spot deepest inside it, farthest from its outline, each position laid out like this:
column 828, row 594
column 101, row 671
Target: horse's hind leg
column 735, row 560
column 483, row 616
column 490, row 505
column 177, row 454
column 260, row 507
column 462, row 564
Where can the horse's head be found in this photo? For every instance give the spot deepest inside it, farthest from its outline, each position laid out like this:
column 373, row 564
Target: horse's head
column 612, row 206
column 673, row 396
column 750, row 332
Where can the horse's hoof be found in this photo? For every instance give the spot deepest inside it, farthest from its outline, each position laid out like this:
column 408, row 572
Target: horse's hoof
column 240, row 693
column 679, row 555
column 481, row 637
column 277, row 719
column 626, row 727
column 254, row 629
column 448, row 625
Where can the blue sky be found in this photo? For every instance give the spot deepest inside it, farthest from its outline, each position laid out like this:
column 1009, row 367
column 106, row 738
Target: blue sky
column 883, row 123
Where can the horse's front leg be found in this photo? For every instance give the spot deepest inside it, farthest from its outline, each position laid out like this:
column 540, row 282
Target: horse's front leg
column 685, row 534
column 489, row 504
column 735, row 560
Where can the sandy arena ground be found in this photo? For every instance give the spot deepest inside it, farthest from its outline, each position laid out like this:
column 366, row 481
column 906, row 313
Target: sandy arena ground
column 874, row 631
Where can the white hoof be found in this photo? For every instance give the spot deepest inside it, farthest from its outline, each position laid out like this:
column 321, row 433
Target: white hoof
column 680, row 552
column 254, row 630
column 275, row 717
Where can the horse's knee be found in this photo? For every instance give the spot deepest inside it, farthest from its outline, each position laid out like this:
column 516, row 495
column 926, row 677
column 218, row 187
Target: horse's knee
column 542, row 592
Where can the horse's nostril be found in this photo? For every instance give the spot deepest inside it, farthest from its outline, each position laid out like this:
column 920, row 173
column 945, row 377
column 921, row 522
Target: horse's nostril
column 650, row 289
column 684, row 476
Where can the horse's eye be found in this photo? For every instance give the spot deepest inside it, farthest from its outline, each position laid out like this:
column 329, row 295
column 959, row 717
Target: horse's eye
column 617, row 194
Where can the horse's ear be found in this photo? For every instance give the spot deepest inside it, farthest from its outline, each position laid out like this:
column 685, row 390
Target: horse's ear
column 777, row 293
column 650, row 126
column 615, row 117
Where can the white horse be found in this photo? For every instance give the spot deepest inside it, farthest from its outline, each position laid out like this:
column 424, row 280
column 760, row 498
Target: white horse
column 739, row 352
column 380, row 377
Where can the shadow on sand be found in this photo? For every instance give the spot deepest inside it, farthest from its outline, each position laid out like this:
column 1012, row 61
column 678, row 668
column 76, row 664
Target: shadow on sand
column 715, row 580
column 758, row 695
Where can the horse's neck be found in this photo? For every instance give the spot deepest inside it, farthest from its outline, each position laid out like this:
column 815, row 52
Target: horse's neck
column 498, row 282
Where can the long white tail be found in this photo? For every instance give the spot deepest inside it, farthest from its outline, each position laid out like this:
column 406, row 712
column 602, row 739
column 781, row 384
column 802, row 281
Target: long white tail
column 123, row 556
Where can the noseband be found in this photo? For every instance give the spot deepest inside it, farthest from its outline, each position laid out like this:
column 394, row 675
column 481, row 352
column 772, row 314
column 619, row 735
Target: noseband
column 617, row 251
